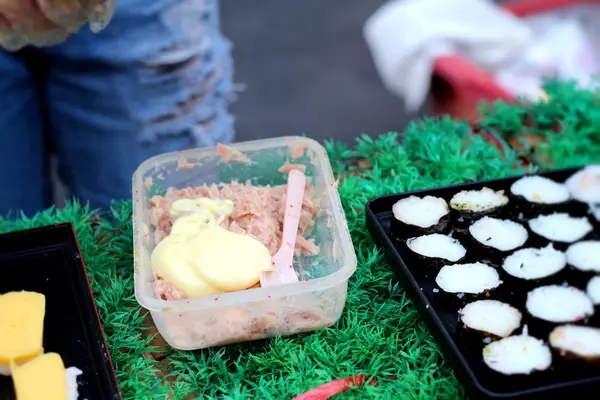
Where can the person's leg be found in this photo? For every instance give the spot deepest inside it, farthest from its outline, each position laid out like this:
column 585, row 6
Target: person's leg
column 152, row 82
column 24, row 176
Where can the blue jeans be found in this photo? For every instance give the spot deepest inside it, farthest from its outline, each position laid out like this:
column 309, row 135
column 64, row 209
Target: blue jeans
column 158, row 79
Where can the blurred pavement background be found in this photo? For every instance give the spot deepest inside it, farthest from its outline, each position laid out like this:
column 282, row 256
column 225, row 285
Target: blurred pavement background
column 307, row 69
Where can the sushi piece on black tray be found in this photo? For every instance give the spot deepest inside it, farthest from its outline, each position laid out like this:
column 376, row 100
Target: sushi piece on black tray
column 415, row 216
column 518, row 355
column 554, row 304
column 535, row 195
column 540, row 251
column 534, row 265
column 495, row 238
column 467, row 281
column 585, row 256
column 593, row 290
column 470, row 205
column 576, row 342
column 584, row 185
column 436, row 249
column 491, row 317
column 560, row 228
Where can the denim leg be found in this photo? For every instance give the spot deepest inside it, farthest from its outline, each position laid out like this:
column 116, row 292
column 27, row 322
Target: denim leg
column 24, row 176
column 148, row 84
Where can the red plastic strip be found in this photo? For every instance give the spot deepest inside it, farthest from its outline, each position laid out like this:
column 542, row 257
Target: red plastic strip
column 524, row 8
column 337, row 386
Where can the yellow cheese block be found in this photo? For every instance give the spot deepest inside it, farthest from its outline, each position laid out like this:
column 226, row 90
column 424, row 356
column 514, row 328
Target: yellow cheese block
column 21, row 325
column 41, row 378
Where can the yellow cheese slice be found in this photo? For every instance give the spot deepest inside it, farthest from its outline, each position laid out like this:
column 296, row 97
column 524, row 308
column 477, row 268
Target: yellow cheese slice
column 21, row 325
column 41, row 378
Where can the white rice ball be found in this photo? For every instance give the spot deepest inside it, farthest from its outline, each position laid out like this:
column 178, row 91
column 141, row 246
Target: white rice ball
column 532, row 263
column 581, row 341
column 71, row 375
column 478, row 200
column 491, row 316
column 520, row 354
column 585, row 255
column 437, row 246
column 561, row 227
column 559, row 304
column 593, row 289
column 500, row 234
column 585, row 184
column 422, row 212
column 467, row 278
column 537, row 189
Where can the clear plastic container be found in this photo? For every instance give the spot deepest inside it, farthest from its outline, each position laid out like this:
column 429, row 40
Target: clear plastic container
column 315, row 302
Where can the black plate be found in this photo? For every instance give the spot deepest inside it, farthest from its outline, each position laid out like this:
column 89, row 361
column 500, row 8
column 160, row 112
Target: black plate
column 47, row 260
column 441, row 316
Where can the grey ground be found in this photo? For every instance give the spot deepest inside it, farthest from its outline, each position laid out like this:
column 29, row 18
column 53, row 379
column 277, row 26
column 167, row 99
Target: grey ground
column 307, row 69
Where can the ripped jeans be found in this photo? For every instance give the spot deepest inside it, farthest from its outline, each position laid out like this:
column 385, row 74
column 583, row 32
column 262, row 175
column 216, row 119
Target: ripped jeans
column 157, row 79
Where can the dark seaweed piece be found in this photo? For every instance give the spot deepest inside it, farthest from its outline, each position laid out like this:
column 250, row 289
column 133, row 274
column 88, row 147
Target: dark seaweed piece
column 402, row 230
column 532, row 210
column 428, row 263
column 459, row 300
column 464, row 218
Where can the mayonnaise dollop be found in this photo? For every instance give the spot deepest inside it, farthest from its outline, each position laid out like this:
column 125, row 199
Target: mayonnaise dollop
column 200, row 258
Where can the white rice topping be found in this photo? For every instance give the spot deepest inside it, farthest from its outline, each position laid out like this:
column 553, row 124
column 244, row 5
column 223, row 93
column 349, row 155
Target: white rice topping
column 594, row 210
column 478, row 200
column 437, row 246
column 500, row 234
column 582, row 341
column 71, row 375
column 561, row 227
column 491, row 316
column 519, row 354
column 533, row 263
column 537, row 189
column 423, row 212
column 559, row 304
column 593, row 289
column 585, row 184
column 467, row 278
column 585, row 255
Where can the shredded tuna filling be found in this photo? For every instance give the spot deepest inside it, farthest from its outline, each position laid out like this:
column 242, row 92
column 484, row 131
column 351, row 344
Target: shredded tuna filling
column 258, row 212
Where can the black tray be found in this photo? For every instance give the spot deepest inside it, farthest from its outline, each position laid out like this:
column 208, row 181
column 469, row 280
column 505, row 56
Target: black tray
column 442, row 318
column 47, row 260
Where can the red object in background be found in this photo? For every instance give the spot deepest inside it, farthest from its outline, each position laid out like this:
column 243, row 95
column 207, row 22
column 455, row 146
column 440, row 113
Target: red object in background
column 458, row 85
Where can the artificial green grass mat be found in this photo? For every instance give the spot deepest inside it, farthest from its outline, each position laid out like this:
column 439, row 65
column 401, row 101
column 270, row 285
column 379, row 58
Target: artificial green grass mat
column 379, row 334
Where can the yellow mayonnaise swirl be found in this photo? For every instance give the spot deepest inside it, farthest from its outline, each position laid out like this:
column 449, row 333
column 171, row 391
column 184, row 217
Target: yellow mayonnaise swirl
column 200, row 258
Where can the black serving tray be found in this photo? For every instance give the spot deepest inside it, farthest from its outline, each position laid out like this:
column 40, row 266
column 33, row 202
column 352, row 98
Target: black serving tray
column 48, row 261
column 563, row 378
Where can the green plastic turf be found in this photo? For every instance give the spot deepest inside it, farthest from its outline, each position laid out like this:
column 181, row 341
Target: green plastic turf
column 379, row 334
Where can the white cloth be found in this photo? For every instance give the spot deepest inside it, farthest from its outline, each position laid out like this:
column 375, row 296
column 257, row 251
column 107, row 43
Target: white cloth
column 406, row 36
column 566, row 45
